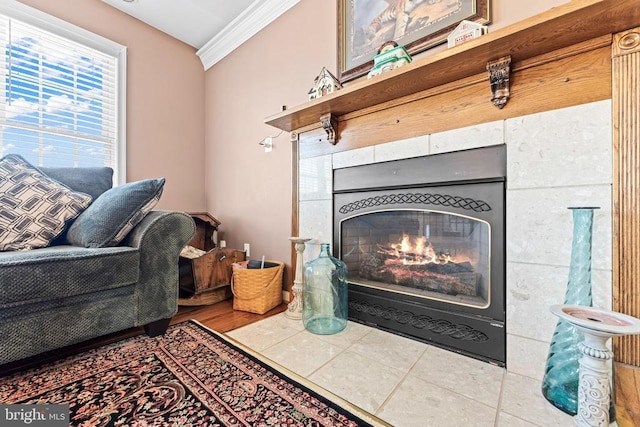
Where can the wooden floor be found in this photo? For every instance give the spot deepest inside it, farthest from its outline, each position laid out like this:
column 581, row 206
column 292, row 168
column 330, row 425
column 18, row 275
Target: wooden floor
column 220, row 317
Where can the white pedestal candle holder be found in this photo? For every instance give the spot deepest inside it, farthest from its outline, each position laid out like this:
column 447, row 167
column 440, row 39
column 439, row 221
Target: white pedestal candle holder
column 294, row 309
column 594, row 385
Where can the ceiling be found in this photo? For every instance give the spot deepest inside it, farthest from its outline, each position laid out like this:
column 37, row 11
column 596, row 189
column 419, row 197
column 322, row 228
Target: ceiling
column 194, row 22
column 214, row 27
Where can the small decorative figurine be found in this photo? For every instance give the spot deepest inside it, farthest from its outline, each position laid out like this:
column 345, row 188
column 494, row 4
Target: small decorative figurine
column 465, row 31
column 389, row 56
column 324, row 84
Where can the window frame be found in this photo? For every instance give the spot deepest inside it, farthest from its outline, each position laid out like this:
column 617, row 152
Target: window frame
column 42, row 20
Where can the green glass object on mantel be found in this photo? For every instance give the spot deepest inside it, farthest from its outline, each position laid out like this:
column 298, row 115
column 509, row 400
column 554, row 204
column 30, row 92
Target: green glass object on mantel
column 324, row 298
column 560, row 382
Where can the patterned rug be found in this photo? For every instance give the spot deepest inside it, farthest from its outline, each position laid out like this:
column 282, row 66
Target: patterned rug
column 191, row 376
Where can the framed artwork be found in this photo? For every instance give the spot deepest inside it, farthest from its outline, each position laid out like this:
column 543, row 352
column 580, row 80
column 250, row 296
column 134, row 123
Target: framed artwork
column 365, row 25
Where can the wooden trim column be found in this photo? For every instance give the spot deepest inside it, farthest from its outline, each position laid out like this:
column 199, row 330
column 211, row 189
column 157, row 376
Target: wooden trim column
column 626, row 205
column 295, row 203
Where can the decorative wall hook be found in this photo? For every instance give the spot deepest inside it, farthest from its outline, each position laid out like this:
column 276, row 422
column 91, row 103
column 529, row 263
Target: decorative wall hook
column 499, row 73
column 329, row 123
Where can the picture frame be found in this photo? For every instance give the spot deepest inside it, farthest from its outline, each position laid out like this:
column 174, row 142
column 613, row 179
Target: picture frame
column 365, row 25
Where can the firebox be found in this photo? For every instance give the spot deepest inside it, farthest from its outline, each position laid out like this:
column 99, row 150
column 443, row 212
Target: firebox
column 423, row 239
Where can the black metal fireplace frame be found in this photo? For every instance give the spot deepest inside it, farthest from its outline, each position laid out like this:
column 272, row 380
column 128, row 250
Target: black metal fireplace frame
column 440, row 182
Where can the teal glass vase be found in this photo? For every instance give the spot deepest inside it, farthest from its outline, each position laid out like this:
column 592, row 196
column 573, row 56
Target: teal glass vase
column 324, row 297
column 560, row 382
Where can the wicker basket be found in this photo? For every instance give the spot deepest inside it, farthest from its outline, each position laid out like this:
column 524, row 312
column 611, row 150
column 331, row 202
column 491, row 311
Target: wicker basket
column 256, row 290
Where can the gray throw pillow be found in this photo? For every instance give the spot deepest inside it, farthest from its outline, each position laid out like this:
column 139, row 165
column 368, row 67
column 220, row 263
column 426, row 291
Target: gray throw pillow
column 90, row 180
column 113, row 215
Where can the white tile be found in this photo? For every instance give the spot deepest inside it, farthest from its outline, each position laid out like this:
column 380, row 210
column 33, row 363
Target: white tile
column 442, row 388
column 316, row 178
column 602, row 285
column 469, row 377
column 361, row 380
column 540, row 225
column 389, row 349
column 359, row 156
column 419, row 403
column 315, row 221
column 469, row 137
column 531, row 290
column 280, row 321
column 345, row 338
column 260, row 336
column 507, row 420
column 522, row 397
column 560, row 147
column 303, row 353
column 404, row 149
column 527, row 357
column 539, row 244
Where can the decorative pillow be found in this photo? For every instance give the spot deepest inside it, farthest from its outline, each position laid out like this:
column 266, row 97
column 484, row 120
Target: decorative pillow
column 114, row 214
column 34, row 209
column 89, row 180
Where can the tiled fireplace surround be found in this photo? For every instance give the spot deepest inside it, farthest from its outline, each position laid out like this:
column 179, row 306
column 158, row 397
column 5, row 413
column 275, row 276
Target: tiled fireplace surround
column 555, row 160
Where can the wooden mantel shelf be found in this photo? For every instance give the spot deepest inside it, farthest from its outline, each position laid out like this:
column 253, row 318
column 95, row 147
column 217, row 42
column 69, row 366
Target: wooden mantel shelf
column 560, row 27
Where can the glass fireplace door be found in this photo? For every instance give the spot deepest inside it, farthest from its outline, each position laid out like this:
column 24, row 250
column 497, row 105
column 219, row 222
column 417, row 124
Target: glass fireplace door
column 423, row 253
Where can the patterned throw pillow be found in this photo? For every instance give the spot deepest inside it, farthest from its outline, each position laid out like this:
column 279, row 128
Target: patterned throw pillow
column 114, row 214
column 34, row 208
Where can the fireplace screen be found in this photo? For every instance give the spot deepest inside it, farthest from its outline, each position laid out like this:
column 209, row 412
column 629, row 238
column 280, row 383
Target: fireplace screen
column 423, row 253
column 423, row 240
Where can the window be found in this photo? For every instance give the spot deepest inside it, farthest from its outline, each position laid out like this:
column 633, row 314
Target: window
column 62, row 92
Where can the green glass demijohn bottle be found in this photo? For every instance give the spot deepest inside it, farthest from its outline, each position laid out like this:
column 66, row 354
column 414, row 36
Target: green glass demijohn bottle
column 324, row 297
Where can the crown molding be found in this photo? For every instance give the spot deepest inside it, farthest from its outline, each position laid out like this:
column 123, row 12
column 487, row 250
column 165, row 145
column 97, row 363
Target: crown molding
column 257, row 16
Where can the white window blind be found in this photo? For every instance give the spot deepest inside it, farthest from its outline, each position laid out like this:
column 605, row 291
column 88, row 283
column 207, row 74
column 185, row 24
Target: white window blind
column 59, row 105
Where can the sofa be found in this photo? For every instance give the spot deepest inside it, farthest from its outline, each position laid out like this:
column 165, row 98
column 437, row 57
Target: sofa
column 69, row 292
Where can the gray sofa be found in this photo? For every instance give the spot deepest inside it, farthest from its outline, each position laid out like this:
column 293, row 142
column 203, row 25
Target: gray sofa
column 61, row 295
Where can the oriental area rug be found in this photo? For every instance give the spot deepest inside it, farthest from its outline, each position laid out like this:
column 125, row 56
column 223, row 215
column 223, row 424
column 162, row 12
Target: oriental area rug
column 190, row 376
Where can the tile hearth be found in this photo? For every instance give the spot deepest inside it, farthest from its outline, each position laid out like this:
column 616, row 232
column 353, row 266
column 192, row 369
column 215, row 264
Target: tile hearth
column 402, row 381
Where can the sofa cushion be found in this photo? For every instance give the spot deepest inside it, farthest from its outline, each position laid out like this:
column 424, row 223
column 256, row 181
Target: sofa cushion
column 34, row 209
column 114, row 214
column 92, row 181
column 60, row 272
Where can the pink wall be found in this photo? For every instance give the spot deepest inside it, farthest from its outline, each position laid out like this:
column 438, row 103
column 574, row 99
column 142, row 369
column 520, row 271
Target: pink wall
column 165, row 99
column 247, row 189
column 507, row 12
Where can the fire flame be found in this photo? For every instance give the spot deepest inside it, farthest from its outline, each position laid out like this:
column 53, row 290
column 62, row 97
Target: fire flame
column 420, row 253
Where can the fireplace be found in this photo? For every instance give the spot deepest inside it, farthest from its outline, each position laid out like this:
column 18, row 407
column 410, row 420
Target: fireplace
column 423, row 239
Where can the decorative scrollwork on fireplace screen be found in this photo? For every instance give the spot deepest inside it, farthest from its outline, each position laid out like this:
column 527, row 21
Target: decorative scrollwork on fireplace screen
column 421, row 198
column 437, row 326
